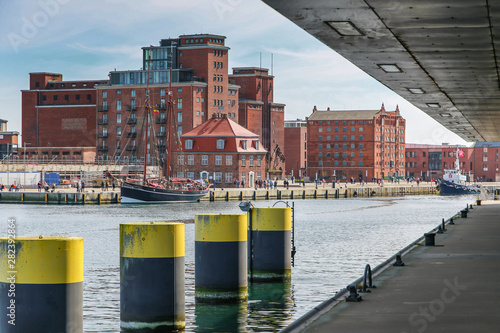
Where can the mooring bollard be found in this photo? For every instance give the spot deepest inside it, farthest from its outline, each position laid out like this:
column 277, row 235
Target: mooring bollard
column 443, row 225
column 152, row 276
column 353, row 294
column 463, row 213
column 221, row 257
column 478, row 202
column 42, row 288
column 430, row 239
column 451, row 221
column 270, row 251
column 399, row 261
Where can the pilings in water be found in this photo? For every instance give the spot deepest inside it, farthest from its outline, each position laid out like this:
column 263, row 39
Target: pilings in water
column 221, row 257
column 41, row 283
column 152, row 258
column 270, row 244
column 91, row 198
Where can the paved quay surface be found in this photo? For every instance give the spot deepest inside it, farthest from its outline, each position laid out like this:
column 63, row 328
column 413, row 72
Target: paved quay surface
column 451, row 287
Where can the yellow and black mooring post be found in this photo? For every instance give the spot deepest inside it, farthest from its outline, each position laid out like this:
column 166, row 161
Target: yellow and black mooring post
column 41, row 284
column 221, row 257
column 152, row 258
column 270, row 251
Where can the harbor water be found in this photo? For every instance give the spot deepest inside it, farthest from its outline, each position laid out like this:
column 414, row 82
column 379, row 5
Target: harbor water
column 335, row 239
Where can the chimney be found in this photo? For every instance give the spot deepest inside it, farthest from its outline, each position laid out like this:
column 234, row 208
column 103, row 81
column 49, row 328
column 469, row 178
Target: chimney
column 382, row 108
column 315, row 109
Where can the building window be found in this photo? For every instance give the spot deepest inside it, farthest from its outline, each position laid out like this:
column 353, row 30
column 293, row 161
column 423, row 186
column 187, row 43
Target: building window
column 320, row 129
column 243, row 160
column 179, row 103
column 162, row 92
column 344, row 163
column 250, row 160
column 179, row 130
column 180, row 160
column 118, row 118
column 336, row 163
column 118, row 105
column 132, row 93
column 320, row 155
column 344, row 138
column 204, row 159
column 218, row 177
column 353, row 137
column 336, row 129
column 360, row 154
column 336, row 154
column 320, row 146
column 259, row 160
column 328, row 138
column 220, row 144
column 118, row 131
column 353, row 129
column 352, row 154
column 244, row 144
column 218, row 159
column 229, row 160
column 360, row 163
column 229, row 177
column 179, row 117
column 189, row 144
column 344, row 146
column 190, row 161
column 353, row 146
column 256, row 144
column 180, row 174
column 104, row 94
column 320, row 163
column 190, row 175
column 344, row 129
column 360, row 138
column 320, row 138
column 344, row 154
column 336, row 146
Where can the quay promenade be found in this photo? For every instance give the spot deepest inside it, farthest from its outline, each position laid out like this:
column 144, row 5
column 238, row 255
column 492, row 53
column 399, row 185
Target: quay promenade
column 449, row 287
column 97, row 195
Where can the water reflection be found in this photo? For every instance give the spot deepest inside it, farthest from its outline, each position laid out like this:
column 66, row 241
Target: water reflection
column 221, row 317
column 269, row 306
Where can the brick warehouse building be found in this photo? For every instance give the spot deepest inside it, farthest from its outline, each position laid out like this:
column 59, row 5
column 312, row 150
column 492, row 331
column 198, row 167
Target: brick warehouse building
column 259, row 113
column 8, row 140
column 57, row 113
column 107, row 114
column 355, row 144
column 221, row 150
column 429, row 161
column 296, row 147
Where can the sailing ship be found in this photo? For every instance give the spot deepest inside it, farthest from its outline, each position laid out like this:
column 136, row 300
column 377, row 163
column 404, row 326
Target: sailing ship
column 454, row 182
column 161, row 189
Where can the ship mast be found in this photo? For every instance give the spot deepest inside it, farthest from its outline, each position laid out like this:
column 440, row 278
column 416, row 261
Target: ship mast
column 148, row 109
column 170, row 119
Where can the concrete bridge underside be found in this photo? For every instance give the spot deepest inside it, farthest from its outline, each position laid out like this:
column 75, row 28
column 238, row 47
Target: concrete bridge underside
column 440, row 55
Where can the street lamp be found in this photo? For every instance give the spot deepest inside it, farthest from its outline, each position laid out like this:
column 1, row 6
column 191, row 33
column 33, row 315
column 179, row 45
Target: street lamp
column 24, row 156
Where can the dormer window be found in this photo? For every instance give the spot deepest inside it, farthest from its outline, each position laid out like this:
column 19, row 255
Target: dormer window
column 256, row 144
column 244, row 144
column 220, row 144
column 189, row 144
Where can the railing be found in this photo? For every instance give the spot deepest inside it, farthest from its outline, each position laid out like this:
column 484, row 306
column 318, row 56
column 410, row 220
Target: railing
column 102, row 109
column 161, row 120
column 131, row 108
column 102, row 122
column 74, row 160
column 102, row 148
column 131, row 148
column 132, row 121
column 131, row 134
column 103, row 135
column 161, row 134
column 162, row 147
column 161, row 107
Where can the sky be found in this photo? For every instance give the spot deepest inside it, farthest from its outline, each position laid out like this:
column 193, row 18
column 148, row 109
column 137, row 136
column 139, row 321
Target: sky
column 86, row 40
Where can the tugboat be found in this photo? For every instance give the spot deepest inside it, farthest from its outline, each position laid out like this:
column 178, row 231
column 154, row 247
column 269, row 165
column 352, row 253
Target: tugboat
column 454, row 182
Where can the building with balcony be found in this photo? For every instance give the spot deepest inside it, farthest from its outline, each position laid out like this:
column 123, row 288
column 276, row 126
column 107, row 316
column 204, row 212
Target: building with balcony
column 363, row 144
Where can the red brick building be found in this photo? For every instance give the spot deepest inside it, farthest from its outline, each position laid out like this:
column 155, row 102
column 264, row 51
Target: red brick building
column 481, row 161
column 355, row 144
column 8, row 141
column 221, row 150
column 295, row 148
column 259, row 113
column 57, row 113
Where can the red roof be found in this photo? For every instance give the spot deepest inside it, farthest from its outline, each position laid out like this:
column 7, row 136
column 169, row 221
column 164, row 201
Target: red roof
column 220, row 127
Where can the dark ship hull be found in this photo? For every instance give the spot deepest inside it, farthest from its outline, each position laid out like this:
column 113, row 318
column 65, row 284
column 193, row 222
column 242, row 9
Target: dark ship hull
column 449, row 188
column 137, row 193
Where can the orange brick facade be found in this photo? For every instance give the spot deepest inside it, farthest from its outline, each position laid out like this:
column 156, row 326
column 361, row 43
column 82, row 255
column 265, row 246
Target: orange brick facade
column 295, row 148
column 363, row 145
